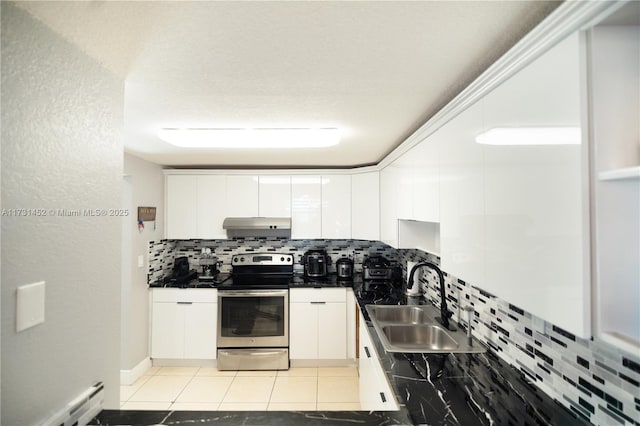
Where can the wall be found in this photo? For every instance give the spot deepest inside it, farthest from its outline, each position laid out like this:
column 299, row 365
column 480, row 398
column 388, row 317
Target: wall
column 590, row 377
column 146, row 189
column 62, row 153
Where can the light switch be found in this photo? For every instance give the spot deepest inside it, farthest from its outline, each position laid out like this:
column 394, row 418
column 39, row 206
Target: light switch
column 140, row 261
column 29, row 306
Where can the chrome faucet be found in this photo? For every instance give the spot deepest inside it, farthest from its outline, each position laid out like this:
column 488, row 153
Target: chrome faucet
column 445, row 314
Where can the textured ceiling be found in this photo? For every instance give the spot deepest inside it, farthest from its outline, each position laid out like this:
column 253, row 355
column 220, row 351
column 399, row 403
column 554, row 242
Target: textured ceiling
column 376, row 70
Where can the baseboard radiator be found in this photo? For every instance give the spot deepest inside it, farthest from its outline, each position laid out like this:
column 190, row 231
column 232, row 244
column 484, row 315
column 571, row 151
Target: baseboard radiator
column 81, row 410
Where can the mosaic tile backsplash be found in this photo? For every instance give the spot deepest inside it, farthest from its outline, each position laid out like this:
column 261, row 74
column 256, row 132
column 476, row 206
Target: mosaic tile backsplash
column 592, row 378
column 595, row 380
column 162, row 253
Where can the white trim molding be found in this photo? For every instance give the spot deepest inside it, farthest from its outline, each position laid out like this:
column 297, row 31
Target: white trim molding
column 569, row 17
column 128, row 377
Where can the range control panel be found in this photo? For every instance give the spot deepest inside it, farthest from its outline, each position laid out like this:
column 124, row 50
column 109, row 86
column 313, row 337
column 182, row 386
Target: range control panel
column 266, row 259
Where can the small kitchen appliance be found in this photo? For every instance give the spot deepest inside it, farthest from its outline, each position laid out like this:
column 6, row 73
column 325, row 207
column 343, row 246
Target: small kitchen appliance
column 209, row 264
column 377, row 268
column 344, row 268
column 379, row 273
column 181, row 275
column 315, row 263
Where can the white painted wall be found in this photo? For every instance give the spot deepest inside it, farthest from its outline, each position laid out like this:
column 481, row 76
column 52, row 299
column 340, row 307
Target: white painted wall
column 61, row 149
column 147, row 190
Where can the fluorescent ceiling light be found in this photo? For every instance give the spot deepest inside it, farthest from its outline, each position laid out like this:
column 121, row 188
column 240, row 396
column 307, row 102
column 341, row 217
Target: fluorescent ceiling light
column 530, row 136
column 250, row 138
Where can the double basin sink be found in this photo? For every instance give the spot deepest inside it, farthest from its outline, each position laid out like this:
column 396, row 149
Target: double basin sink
column 415, row 329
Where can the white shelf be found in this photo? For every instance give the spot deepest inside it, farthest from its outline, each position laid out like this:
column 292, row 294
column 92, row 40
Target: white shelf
column 619, row 174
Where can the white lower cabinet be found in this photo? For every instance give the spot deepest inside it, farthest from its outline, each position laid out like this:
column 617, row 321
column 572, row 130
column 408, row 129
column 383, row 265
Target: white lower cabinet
column 375, row 391
column 184, row 323
column 318, row 323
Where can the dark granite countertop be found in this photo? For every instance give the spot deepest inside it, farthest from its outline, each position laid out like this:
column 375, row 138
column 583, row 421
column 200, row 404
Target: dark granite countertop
column 433, row 389
column 461, row 389
column 298, row 281
column 330, row 281
column 195, row 283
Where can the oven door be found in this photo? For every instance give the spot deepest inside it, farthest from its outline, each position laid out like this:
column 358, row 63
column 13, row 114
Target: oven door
column 253, row 318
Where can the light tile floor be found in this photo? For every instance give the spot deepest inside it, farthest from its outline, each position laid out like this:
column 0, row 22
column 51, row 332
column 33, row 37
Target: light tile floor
column 208, row 389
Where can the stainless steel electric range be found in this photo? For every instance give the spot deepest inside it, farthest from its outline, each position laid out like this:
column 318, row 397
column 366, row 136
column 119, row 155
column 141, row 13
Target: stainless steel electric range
column 253, row 313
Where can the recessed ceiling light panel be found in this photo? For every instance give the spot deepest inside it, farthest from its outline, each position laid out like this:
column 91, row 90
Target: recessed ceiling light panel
column 530, row 136
column 251, row 138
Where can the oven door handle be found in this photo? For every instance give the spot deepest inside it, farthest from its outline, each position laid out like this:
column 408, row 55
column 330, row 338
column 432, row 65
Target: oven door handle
column 252, row 293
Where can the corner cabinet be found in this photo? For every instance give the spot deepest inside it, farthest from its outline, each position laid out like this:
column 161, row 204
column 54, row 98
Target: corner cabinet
column 318, row 324
column 183, row 323
column 389, row 199
column 375, row 391
column 306, row 206
column 365, row 206
column 336, row 206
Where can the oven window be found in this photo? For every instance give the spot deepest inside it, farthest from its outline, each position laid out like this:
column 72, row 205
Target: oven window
column 252, row 316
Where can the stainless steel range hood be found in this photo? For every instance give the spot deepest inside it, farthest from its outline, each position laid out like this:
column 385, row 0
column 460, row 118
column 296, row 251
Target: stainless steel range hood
column 257, row 227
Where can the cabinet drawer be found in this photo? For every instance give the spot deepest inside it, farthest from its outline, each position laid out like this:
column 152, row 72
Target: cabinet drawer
column 318, row 295
column 185, row 295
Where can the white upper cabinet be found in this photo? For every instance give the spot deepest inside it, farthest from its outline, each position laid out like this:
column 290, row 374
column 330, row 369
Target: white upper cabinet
column 365, row 206
column 242, row 196
column 320, row 205
column 426, row 180
column 306, row 203
column 410, row 191
column 404, row 170
column 275, row 196
column 195, row 206
column 462, row 216
column 389, row 184
column 211, row 206
column 336, row 206
column 181, row 206
column 533, row 193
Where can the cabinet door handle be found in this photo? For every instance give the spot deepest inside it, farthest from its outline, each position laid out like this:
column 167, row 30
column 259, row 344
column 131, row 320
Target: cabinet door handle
column 382, row 397
column 366, row 350
column 185, row 303
column 318, row 303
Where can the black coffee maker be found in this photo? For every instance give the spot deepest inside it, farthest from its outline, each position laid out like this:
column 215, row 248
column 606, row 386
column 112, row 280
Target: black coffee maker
column 181, row 274
column 315, row 263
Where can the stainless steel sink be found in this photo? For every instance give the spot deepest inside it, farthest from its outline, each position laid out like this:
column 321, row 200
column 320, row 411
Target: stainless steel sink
column 430, row 337
column 399, row 314
column 415, row 329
